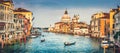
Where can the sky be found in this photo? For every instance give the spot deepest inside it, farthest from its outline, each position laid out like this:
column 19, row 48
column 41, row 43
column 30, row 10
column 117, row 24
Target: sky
column 47, row 12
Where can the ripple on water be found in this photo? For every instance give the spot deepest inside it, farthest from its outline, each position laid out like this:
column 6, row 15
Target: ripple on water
column 54, row 43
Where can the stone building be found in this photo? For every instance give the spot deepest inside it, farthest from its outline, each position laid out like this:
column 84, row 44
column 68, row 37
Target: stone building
column 28, row 15
column 68, row 25
column 6, row 18
column 117, row 26
column 100, row 24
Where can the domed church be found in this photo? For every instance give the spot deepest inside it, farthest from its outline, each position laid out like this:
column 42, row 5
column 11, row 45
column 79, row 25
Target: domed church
column 65, row 17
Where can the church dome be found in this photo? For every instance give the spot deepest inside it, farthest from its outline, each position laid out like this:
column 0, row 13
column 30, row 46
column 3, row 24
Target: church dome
column 66, row 17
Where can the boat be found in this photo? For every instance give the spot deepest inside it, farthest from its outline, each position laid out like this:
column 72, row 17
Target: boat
column 42, row 40
column 87, row 36
column 68, row 43
column 43, row 35
column 105, row 44
column 32, row 36
column 35, row 31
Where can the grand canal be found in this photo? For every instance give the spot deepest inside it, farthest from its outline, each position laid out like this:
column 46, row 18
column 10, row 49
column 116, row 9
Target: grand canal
column 54, row 43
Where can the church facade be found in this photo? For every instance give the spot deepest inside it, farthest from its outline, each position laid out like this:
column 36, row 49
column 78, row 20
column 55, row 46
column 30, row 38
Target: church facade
column 68, row 25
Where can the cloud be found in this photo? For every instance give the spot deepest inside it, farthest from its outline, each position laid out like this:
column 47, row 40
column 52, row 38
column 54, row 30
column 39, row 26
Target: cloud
column 45, row 16
column 70, row 3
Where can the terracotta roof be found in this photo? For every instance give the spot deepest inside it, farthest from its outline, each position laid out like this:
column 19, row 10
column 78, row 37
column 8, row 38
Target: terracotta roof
column 81, row 23
column 6, row 1
column 21, row 10
column 83, row 27
column 65, row 24
column 58, row 22
column 107, row 15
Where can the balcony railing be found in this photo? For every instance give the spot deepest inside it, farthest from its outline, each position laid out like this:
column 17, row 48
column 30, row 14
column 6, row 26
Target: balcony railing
column 11, row 29
column 2, row 31
column 3, row 21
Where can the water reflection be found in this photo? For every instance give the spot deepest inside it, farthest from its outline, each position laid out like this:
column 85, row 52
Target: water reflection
column 54, row 43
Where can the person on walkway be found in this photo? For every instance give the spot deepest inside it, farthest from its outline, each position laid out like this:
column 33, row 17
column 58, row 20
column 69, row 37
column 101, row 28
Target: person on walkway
column 24, row 38
column 7, row 39
column 1, row 41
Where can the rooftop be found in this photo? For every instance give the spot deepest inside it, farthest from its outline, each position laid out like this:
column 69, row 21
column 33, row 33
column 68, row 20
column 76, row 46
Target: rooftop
column 6, row 1
column 21, row 10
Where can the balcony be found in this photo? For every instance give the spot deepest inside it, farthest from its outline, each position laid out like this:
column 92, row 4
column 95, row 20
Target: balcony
column 3, row 20
column 2, row 31
column 11, row 29
column 19, row 31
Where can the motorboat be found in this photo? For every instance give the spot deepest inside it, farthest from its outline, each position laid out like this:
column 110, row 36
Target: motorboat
column 69, row 43
column 32, row 36
column 42, row 40
column 35, row 31
column 104, row 43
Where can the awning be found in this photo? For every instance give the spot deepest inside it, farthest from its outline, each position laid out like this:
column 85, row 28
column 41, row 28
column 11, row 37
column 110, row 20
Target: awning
column 2, row 24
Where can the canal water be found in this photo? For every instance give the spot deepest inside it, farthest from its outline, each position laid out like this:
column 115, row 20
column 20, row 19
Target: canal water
column 54, row 43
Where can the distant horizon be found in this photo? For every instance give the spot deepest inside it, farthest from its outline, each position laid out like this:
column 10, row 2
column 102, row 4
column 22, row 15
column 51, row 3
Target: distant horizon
column 47, row 12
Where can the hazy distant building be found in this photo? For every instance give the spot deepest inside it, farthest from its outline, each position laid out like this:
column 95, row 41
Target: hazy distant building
column 68, row 25
column 57, row 27
column 75, row 19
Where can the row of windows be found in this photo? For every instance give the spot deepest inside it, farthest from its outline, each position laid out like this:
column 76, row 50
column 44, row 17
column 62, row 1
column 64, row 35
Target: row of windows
column 5, row 7
column 1, row 15
column 1, row 27
column 2, row 7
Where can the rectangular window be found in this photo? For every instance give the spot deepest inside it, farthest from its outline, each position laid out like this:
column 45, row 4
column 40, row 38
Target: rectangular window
column 1, row 7
column 1, row 16
column 1, row 27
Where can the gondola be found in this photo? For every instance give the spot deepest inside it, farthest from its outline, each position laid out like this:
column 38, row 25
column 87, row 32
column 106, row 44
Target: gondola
column 33, row 36
column 43, row 40
column 68, row 43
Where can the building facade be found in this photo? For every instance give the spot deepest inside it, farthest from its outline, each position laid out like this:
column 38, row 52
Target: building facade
column 57, row 27
column 66, row 18
column 100, row 25
column 112, row 13
column 117, row 26
column 28, row 15
column 6, row 18
column 19, row 23
column 71, row 26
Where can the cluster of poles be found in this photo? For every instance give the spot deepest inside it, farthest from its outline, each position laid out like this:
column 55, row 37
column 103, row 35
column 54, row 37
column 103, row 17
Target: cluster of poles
column 16, row 38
